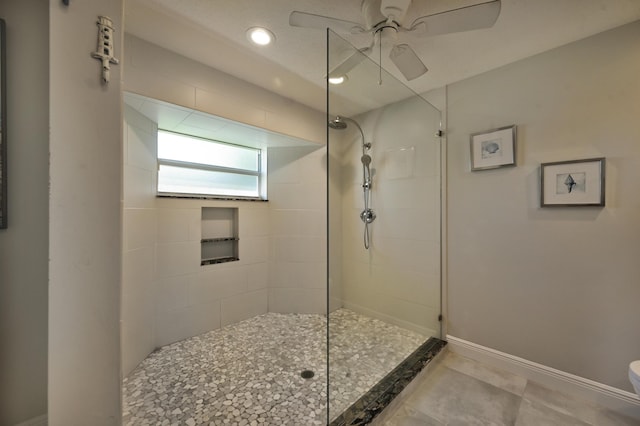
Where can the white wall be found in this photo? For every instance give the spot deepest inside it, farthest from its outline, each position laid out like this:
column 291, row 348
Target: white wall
column 193, row 299
column 24, row 245
column 84, row 218
column 557, row 286
column 297, row 204
column 140, row 224
column 398, row 278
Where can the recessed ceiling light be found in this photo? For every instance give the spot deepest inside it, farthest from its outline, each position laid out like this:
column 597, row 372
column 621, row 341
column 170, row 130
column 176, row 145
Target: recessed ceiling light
column 260, row 36
column 338, row 79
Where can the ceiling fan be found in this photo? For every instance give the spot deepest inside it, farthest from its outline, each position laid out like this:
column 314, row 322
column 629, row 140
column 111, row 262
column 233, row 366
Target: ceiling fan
column 385, row 19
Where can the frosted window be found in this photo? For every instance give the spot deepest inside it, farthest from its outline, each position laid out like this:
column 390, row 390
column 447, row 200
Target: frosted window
column 174, row 146
column 201, row 167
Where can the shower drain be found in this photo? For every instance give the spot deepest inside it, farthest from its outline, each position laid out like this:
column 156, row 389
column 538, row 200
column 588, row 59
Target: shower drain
column 307, row 374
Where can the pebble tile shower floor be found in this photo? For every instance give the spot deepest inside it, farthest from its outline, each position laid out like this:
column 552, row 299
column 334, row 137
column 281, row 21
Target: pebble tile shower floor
column 249, row 373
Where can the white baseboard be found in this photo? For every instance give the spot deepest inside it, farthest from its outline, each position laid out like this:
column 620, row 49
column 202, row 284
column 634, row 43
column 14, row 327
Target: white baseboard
column 619, row 400
column 36, row 421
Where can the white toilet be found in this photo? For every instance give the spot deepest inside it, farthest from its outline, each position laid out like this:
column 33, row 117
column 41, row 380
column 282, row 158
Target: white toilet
column 634, row 375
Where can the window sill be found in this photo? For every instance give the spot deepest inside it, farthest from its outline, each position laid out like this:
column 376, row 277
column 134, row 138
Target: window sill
column 210, row 197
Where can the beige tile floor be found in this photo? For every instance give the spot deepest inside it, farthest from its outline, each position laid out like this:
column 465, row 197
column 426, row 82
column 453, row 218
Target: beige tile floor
column 460, row 391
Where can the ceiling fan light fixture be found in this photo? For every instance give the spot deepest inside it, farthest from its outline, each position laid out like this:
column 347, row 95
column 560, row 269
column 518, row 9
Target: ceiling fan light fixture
column 260, row 36
column 338, row 79
column 407, row 61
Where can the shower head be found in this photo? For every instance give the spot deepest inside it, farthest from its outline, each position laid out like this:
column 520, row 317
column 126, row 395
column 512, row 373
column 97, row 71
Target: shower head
column 366, row 160
column 338, row 123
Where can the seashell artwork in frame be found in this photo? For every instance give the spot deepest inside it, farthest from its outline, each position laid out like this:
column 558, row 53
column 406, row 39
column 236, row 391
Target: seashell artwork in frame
column 493, row 149
column 573, row 183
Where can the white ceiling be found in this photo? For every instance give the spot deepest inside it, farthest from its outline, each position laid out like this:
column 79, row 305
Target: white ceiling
column 213, row 32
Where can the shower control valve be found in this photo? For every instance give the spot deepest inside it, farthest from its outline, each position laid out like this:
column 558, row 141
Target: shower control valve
column 368, row 216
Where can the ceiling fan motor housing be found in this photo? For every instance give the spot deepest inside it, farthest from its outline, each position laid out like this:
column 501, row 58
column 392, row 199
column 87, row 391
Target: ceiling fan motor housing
column 395, row 9
column 387, row 34
column 377, row 11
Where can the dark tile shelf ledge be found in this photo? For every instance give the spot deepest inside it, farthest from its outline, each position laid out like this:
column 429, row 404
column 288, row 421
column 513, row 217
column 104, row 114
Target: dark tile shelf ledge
column 364, row 410
column 218, row 260
column 217, row 240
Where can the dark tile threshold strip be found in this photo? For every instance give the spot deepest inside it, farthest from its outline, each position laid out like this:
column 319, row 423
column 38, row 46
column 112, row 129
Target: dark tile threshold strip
column 364, row 410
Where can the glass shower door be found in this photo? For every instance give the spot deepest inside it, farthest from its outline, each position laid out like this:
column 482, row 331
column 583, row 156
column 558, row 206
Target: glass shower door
column 384, row 248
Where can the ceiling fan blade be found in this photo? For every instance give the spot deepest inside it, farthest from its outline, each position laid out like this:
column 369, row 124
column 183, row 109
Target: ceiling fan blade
column 407, row 61
column 350, row 63
column 467, row 18
column 309, row 20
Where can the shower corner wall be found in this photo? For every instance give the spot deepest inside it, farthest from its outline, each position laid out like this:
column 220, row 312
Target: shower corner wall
column 167, row 296
column 405, row 247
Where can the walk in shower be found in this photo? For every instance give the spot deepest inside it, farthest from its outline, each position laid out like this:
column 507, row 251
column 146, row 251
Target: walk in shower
column 384, row 248
column 331, row 293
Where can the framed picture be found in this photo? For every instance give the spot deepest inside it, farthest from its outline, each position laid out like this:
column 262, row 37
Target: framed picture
column 572, row 183
column 3, row 130
column 493, row 148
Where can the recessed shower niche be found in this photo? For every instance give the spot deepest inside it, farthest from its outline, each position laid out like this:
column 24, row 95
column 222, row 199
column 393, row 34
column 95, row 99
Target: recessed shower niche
column 219, row 243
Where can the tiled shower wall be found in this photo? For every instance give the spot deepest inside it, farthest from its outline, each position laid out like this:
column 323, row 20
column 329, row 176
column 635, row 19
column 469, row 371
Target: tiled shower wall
column 168, row 296
column 139, row 238
column 398, row 278
column 297, row 202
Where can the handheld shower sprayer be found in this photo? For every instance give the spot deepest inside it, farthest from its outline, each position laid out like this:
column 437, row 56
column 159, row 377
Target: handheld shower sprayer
column 366, row 171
